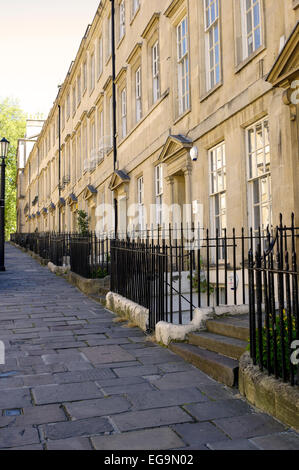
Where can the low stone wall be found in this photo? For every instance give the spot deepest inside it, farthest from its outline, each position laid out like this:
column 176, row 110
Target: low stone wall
column 124, row 307
column 167, row 332
column 279, row 399
column 89, row 286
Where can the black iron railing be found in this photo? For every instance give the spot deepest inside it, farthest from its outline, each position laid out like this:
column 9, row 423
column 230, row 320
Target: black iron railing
column 273, row 301
column 88, row 255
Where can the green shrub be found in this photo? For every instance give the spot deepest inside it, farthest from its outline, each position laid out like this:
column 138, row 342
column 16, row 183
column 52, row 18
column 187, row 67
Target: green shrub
column 99, row 273
column 288, row 351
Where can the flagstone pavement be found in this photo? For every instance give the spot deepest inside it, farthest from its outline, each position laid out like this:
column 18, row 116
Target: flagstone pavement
column 74, row 379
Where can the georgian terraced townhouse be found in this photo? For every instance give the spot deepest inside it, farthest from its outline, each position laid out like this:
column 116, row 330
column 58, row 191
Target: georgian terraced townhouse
column 220, row 75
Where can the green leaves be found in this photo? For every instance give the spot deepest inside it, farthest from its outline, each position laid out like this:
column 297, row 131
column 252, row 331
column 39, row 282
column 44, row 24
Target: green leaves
column 82, row 222
column 12, row 127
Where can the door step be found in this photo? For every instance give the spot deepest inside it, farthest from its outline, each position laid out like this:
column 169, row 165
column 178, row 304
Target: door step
column 233, row 327
column 225, row 345
column 221, row 368
column 217, row 351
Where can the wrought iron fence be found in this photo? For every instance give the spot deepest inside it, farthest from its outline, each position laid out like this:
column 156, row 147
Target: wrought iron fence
column 273, row 301
column 172, row 272
column 88, row 256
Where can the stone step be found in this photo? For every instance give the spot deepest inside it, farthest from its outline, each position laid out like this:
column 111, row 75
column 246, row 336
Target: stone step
column 230, row 347
column 231, row 327
column 221, row 368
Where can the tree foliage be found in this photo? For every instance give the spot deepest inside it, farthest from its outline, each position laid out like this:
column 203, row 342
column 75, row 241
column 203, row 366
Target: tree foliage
column 82, row 222
column 12, row 127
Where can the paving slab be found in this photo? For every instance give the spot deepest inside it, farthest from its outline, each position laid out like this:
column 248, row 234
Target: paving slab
column 220, row 409
column 84, row 376
column 18, row 436
column 196, row 434
column 249, row 425
column 151, row 418
column 152, row 439
column 279, row 441
column 65, row 393
column 73, row 443
column 82, row 427
column 161, row 399
column 106, row 354
column 14, row 398
column 100, row 407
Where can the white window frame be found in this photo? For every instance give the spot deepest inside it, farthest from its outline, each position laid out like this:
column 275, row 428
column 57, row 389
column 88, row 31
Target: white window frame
column 84, row 76
column 101, row 128
column 212, row 43
column 68, row 105
column 140, row 198
column 122, row 19
column 100, row 56
column 124, row 112
column 109, row 37
column 138, row 94
column 247, row 14
column 156, row 71
column 79, row 89
column 74, row 99
column 259, row 174
column 217, row 164
column 92, row 72
column 159, row 193
column 183, row 65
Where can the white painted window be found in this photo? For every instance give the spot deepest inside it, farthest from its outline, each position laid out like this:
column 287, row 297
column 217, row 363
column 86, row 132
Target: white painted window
column 84, row 76
column 63, row 115
column 79, row 88
column 218, row 189
column 183, row 65
column 79, row 157
column 159, row 193
column 74, row 99
column 100, row 56
column 122, row 19
column 101, row 130
column 138, row 94
column 124, row 112
column 92, row 72
column 259, row 176
column 109, row 37
column 251, row 26
column 92, row 136
column 212, row 42
column 68, row 105
column 140, row 189
column 155, row 70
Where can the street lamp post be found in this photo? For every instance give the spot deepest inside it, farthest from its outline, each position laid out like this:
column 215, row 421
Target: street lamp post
column 4, row 144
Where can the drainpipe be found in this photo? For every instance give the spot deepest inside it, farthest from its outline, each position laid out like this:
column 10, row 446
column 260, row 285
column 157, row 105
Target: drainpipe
column 114, row 102
column 59, row 165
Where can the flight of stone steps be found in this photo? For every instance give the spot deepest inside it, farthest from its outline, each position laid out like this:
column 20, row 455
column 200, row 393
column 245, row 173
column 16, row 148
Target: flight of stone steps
column 217, row 350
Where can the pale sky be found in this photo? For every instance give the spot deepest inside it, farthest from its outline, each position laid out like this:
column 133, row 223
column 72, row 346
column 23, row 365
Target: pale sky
column 38, row 41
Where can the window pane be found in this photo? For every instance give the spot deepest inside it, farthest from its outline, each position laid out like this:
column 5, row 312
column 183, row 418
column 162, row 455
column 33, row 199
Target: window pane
column 257, row 38
column 256, row 217
column 256, row 15
column 256, row 192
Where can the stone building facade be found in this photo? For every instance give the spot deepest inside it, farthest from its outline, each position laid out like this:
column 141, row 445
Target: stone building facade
column 218, row 77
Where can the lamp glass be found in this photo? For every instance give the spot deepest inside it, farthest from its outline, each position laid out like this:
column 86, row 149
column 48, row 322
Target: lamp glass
column 4, row 144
